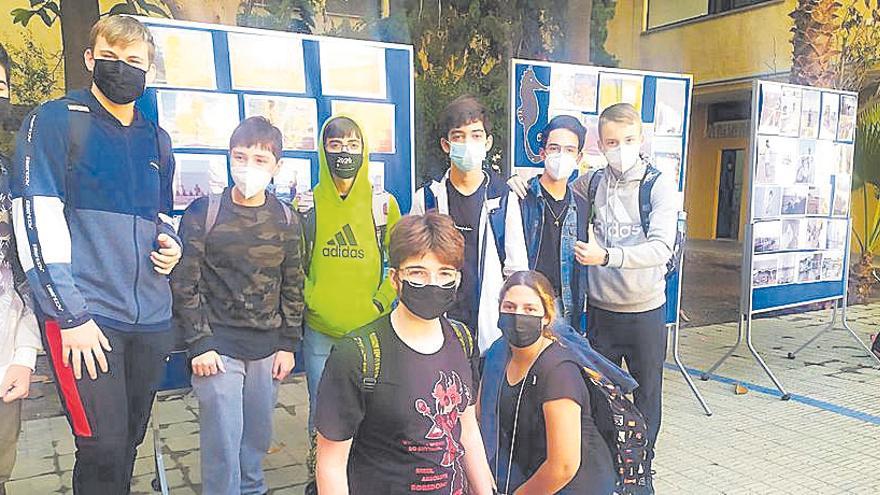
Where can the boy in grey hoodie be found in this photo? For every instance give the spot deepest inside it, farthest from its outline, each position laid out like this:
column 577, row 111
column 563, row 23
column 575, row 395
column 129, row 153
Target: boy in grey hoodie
column 627, row 260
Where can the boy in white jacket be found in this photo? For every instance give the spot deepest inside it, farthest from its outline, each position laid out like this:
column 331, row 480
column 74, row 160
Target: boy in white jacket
column 19, row 334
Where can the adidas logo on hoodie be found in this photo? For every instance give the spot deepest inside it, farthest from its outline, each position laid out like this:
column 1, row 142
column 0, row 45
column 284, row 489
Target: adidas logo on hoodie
column 343, row 245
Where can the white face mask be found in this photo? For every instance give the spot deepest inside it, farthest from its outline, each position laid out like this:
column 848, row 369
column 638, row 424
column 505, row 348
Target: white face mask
column 467, row 157
column 623, row 158
column 559, row 166
column 250, row 180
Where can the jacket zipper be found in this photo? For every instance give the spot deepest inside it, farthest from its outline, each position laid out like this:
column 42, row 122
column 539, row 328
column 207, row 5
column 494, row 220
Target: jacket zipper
column 137, row 254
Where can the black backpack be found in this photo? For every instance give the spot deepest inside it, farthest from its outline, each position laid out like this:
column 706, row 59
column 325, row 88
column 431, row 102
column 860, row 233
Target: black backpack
column 646, row 185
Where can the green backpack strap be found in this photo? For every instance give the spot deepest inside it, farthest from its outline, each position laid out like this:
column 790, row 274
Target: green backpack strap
column 464, row 337
column 371, row 360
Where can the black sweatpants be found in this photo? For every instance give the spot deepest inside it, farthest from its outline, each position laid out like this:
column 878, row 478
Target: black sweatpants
column 109, row 415
column 640, row 339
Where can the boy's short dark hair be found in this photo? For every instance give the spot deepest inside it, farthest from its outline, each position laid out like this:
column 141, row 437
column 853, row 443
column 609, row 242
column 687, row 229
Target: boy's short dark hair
column 342, row 127
column 567, row 122
column 461, row 111
column 417, row 235
column 257, row 131
column 5, row 63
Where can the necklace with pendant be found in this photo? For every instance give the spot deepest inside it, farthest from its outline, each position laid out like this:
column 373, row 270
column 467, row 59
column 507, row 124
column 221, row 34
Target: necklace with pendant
column 553, row 214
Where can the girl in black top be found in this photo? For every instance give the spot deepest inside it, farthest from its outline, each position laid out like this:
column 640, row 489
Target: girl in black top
column 541, row 399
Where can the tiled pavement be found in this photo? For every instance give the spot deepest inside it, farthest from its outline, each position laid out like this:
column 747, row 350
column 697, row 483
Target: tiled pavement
column 826, row 440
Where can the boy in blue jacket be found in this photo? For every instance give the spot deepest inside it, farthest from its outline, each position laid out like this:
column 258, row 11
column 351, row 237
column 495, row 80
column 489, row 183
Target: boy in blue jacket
column 91, row 188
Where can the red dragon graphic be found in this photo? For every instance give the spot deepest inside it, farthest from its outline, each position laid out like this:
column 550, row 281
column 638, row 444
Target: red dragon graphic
column 449, row 394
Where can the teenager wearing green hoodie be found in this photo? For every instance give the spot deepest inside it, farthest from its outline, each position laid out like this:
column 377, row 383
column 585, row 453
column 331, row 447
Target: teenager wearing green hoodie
column 345, row 245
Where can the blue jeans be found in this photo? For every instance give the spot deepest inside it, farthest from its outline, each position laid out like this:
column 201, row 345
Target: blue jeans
column 235, row 422
column 316, row 348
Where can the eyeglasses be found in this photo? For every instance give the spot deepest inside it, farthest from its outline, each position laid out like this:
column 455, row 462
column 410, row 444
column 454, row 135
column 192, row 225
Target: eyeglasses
column 350, row 146
column 421, row 277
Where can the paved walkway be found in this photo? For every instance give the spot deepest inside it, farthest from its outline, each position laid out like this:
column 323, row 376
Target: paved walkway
column 823, row 441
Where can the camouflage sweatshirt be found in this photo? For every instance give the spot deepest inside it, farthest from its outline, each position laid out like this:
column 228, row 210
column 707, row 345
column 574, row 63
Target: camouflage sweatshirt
column 239, row 290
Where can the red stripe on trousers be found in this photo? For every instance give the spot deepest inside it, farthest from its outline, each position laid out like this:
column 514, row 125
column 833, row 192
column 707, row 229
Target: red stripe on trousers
column 67, row 383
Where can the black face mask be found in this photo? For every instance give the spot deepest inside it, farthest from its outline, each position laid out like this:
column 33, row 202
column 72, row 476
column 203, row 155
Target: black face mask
column 520, row 330
column 121, row 83
column 344, row 164
column 427, row 302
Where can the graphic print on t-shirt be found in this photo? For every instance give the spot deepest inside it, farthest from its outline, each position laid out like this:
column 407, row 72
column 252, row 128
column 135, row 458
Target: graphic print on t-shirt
column 451, row 396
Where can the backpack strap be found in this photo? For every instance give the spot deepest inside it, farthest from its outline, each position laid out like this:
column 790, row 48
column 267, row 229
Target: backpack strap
column 497, row 222
column 77, row 130
column 309, row 228
column 595, row 179
column 464, row 337
column 430, row 197
column 214, row 201
column 371, row 360
column 646, row 185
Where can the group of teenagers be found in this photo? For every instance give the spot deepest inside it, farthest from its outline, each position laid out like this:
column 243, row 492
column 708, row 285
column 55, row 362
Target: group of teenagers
column 462, row 348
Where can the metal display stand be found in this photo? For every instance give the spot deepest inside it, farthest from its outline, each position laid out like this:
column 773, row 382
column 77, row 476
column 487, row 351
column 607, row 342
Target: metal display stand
column 747, row 301
column 674, row 327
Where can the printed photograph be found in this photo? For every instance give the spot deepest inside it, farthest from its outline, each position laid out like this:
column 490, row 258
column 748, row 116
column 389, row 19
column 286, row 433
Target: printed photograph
column 819, row 200
column 294, row 178
column 767, row 236
column 832, row 265
column 787, row 157
column 766, row 163
column 574, row 88
column 814, row 234
column 826, row 160
column 196, row 176
column 296, row 118
column 667, row 155
column 794, row 200
column 842, row 191
column 790, row 234
column 764, row 270
column 809, row 267
column 806, row 163
column 846, row 129
column 669, row 109
column 811, row 105
column 844, row 158
column 830, row 110
column 771, row 109
column 838, row 231
column 768, row 201
column 184, row 58
column 376, row 119
column 790, row 112
column 351, row 68
column 196, row 119
column 262, row 62
column 620, row 88
column 787, row 269
column 377, row 176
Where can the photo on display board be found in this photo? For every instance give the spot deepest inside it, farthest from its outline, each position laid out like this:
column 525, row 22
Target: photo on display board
column 838, row 230
column 844, row 159
column 814, row 233
column 826, row 161
column 376, row 120
column 806, row 162
column 264, row 62
column 293, row 179
column 765, row 270
column 819, row 200
column 766, row 164
column 842, row 186
column 846, row 129
column 768, row 201
column 794, row 200
column 196, row 119
column 296, row 118
column 667, row 155
column 809, row 267
column 832, row 265
column 184, row 58
column 787, row 270
column 811, row 105
column 377, row 176
column 786, row 154
column 767, row 236
column 593, row 158
column 669, row 109
column 790, row 112
column 620, row 88
column 352, row 68
column 196, row 176
column 574, row 88
column 791, row 232
column 830, row 110
column 647, row 148
column 771, row 109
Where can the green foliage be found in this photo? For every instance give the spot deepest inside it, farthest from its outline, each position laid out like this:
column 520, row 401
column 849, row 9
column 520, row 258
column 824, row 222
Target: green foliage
column 866, row 170
column 286, row 15
column 152, row 8
column 603, row 11
column 36, row 73
column 50, row 10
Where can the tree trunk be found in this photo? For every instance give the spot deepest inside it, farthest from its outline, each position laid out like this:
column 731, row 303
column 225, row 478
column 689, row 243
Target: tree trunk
column 77, row 18
column 577, row 27
column 211, row 11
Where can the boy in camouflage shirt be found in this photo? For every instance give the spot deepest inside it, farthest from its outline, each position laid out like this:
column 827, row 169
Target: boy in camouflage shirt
column 238, row 301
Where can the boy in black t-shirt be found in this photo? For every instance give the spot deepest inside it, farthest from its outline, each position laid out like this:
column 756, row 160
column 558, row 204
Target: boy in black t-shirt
column 395, row 411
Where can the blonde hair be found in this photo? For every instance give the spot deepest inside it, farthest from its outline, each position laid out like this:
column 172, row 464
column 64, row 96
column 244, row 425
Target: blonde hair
column 620, row 113
column 542, row 287
column 122, row 30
